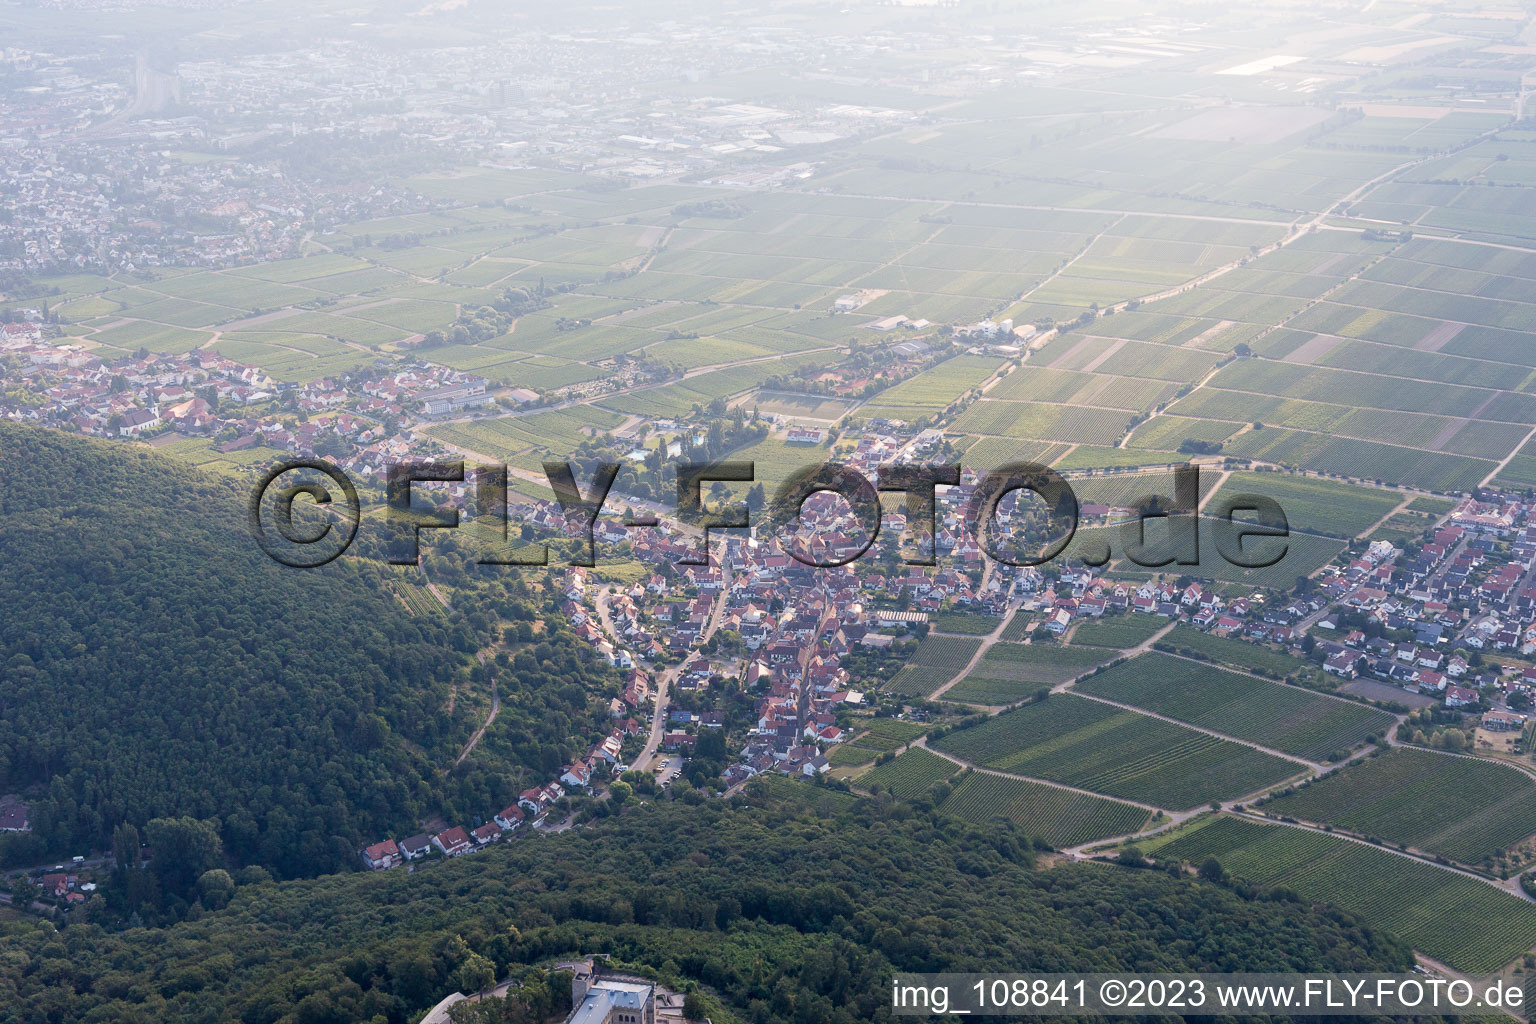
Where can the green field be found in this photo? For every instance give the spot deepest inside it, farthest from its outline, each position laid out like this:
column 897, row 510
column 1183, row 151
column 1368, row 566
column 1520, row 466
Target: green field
column 909, row 774
column 557, row 432
column 1084, row 743
column 964, row 622
column 202, row 453
column 1434, row 506
column 1319, row 506
column 1458, row 920
column 1120, row 631
column 1010, row 672
column 1231, row 651
column 1461, row 807
column 1283, row 717
column 849, row 755
column 935, row 663
column 938, row 386
column 1401, row 527
column 1299, row 554
column 414, row 594
column 1059, row 816
column 1043, row 421
column 875, row 737
column 1353, row 457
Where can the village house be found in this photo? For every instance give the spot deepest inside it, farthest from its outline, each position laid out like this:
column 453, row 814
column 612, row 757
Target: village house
column 381, row 856
column 453, row 842
column 416, row 847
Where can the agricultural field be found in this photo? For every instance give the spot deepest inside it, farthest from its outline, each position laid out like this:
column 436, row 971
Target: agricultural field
column 415, row 596
column 1299, row 554
column 1432, row 506
column 963, row 622
column 875, row 737
column 775, row 461
column 1043, row 421
column 1298, row 722
column 1166, row 433
column 909, row 774
column 1396, row 529
column 1463, row 808
column 1520, row 471
column 1059, row 816
column 1133, row 490
column 984, row 454
column 1234, row 652
column 132, row 335
column 846, row 755
column 936, row 661
column 557, row 432
column 1120, row 631
column 1017, row 629
column 815, row 408
column 202, row 453
column 1010, row 672
column 939, row 386
column 989, row 692
column 1039, row 663
column 1084, row 743
column 1317, row 506
column 1365, row 425
column 1460, row 921
column 1086, row 456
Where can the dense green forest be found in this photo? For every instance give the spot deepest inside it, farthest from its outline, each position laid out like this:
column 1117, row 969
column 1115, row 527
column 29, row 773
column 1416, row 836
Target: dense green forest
column 157, row 665
column 791, row 908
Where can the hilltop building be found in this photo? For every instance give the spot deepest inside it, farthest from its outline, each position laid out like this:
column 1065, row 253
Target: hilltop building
column 611, row 1000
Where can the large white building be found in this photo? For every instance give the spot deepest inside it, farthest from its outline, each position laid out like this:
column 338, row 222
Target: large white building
column 469, row 394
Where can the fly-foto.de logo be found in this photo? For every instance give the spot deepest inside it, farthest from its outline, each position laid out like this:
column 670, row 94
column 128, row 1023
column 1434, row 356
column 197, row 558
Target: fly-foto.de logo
column 305, row 513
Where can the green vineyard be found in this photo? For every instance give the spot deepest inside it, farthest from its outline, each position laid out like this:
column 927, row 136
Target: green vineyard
column 1011, row 672
column 1121, row 631
column 964, row 622
column 1464, row 808
column 1038, row 663
column 1059, row 816
column 1238, row 653
column 1296, row 721
column 935, row 663
column 1084, row 743
column 878, row 736
column 417, row 598
column 909, row 774
column 1458, row 920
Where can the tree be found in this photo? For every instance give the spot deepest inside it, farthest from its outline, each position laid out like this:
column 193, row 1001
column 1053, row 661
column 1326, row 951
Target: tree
column 619, row 792
column 693, row 1007
column 214, row 888
column 183, row 848
column 711, row 745
column 125, row 846
column 1212, row 871
column 23, row 891
column 475, row 974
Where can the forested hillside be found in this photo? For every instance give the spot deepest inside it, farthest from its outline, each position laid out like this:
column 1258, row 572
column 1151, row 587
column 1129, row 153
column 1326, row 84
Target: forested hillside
column 158, row 664
column 777, row 910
